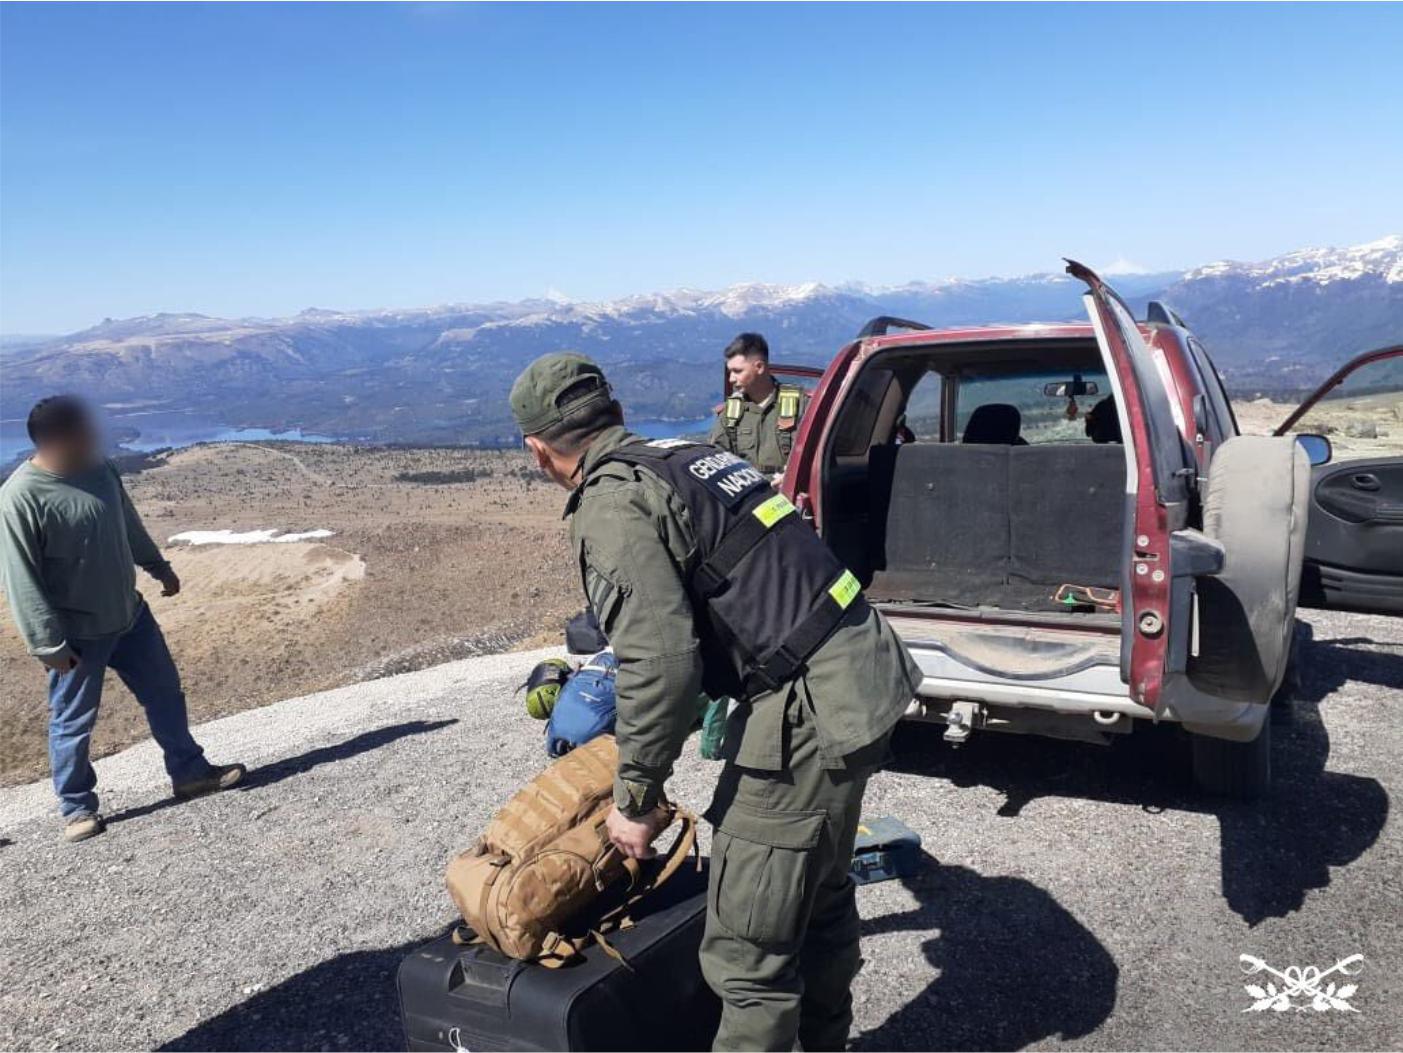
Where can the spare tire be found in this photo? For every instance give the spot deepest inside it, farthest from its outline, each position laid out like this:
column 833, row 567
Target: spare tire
column 1256, row 506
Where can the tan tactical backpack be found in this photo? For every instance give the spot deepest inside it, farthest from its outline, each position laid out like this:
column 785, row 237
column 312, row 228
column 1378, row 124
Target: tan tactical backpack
column 528, row 886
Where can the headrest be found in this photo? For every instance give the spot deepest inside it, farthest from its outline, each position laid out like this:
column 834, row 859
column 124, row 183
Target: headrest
column 994, row 424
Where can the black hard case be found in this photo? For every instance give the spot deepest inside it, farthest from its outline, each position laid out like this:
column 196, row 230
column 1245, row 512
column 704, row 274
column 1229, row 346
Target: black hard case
column 454, row 997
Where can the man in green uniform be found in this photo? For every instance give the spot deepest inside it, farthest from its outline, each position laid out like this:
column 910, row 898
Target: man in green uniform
column 705, row 579
column 760, row 417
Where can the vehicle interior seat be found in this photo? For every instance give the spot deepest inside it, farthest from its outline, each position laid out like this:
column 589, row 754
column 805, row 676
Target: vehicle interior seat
column 1102, row 425
column 994, row 424
column 993, row 524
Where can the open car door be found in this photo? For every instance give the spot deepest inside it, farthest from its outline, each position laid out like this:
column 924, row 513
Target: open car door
column 1352, row 429
column 1160, row 479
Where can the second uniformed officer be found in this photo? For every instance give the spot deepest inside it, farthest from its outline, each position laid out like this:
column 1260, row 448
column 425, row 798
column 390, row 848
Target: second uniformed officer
column 704, row 578
column 759, row 418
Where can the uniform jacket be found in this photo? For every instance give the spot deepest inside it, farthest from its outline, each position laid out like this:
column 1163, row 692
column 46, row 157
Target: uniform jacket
column 634, row 545
column 761, row 436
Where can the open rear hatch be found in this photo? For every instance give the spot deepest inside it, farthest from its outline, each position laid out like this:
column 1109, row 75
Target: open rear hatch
column 1039, row 559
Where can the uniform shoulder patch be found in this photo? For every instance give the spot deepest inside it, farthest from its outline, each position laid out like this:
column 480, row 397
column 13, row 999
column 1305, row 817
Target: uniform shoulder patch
column 734, row 408
column 790, row 401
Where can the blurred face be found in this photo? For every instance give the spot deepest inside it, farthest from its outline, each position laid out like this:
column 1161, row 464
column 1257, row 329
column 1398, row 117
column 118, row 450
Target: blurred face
column 73, row 450
column 750, row 376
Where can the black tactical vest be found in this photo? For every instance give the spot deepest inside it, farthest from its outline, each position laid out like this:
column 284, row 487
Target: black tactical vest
column 766, row 589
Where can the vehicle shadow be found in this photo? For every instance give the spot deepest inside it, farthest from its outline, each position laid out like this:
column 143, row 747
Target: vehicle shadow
column 1274, row 850
column 1337, row 660
column 345, row 1003
column 995, row 942
column 268, row 774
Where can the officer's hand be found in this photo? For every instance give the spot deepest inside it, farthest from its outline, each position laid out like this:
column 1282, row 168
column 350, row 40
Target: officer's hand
column 634, row 837
column 62, row 662
column 170, row 581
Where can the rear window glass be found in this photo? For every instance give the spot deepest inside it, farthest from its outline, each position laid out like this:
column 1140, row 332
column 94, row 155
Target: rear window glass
column 1038, row 407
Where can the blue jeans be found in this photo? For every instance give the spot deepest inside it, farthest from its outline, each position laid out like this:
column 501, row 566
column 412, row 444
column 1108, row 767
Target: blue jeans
column 140, row 657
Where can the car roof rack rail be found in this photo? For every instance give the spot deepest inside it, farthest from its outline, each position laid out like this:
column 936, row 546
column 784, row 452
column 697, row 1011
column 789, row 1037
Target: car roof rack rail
column 1160, row 313
column 879, row 326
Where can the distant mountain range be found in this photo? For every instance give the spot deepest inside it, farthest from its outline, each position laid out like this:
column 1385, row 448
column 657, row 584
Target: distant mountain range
column 441, row 374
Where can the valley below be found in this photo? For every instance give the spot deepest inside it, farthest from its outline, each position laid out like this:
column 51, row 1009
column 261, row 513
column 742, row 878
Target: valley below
column 434, row 554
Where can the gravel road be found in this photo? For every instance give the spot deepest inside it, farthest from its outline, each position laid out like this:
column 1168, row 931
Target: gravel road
column 1074, row 896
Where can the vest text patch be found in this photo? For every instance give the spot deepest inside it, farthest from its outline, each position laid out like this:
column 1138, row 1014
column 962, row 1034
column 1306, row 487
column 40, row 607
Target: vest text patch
column 727, row 476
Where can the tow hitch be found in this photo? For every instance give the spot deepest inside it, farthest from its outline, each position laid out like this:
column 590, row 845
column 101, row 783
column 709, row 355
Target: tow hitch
column 962, row 719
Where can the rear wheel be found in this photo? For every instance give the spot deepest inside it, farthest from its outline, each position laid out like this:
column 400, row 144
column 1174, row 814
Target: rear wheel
column 1283, row 703
column 1233, row 769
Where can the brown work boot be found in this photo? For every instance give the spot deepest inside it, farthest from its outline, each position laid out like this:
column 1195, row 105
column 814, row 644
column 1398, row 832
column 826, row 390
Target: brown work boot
column 220, row 777
column 82, row 826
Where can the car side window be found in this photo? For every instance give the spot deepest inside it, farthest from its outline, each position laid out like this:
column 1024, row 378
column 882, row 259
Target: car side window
column 857, row 420
column 1218, row 401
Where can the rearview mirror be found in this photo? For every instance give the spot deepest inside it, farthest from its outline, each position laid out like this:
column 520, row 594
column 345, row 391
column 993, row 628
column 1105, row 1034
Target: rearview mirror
column 1066, row 389
column 1317, row 447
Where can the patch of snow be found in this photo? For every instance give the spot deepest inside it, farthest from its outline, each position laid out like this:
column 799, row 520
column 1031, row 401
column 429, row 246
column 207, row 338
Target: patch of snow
column 1382, row 258
column 247, row 537
column 1122, row 267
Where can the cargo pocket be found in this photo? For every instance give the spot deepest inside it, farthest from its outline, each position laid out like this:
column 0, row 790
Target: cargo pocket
column 766, row 865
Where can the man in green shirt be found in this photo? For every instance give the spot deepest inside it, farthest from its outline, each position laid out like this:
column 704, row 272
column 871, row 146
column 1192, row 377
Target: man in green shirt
column 760, row 416
column 704, row 579
column 71, row 541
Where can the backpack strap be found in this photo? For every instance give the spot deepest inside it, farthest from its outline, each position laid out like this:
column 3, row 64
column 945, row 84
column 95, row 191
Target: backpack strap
column 710, row 576
column 683, row 846
column 498, row 865
column 560, row 950
column 786, row 659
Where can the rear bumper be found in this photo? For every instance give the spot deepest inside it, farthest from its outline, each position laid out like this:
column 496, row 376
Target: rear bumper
column 1089, row 697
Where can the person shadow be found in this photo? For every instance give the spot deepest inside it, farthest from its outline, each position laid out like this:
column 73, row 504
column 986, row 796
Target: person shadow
column 277, row 771
column 994, row 942
column 1274, row 850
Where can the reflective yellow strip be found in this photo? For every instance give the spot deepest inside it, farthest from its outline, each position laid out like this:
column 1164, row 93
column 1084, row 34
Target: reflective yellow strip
column 772, row 511
column 845, row 589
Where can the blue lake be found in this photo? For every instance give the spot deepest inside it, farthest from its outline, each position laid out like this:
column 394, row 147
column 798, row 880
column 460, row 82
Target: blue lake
column 670, row 429
column 161, row 428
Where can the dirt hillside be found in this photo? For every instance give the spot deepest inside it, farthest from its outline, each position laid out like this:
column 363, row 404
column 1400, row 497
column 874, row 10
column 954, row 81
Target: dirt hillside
column 434, row 554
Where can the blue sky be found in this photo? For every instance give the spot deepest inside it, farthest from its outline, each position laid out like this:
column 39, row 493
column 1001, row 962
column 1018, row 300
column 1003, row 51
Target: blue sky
column 259, row 159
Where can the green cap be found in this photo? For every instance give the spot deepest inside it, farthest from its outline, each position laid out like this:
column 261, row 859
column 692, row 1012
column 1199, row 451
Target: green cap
column 535, row 397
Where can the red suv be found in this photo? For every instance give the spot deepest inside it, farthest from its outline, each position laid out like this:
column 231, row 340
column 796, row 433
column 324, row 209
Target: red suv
column 1067, row 529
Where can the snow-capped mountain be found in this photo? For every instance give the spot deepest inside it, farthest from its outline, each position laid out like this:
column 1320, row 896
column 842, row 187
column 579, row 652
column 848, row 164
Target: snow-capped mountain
column 441, row 373
column 1382, row 259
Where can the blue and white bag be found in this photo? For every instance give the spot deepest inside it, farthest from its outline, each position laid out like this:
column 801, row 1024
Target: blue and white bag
column 585, row 707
